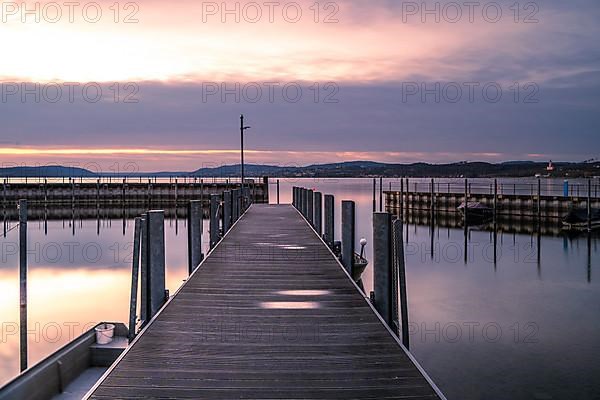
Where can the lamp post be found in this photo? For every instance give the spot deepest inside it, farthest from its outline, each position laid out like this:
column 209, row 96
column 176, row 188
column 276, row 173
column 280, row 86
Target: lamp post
column 242, row 129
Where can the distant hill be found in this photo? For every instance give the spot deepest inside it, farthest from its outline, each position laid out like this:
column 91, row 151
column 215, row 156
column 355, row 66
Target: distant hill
column 343, row 169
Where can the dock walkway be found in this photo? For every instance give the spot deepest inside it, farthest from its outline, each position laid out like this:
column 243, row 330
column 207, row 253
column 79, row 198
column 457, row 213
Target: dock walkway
column 269, row 314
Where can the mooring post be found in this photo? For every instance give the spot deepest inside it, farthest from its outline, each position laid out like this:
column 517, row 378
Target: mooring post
column 23, row 283
column 466, row 202
column 589, row 206
column 400, row 274
column 401, row 197
column 318, row 220
column 328, row 236
column 380, row 194
column 305, row 202
column 310, row 206
column 348, row 233
column 144, row 307
column 295, row 197
column 539, row 199
column 495, row 198
column 374, row 195
column 235, row 205
column 432, row 204
column 226, row 211
column 382, row 265
column 214, row 220
column 134, row 277
column 155, row 228
column 277, row 191
column 194, row 234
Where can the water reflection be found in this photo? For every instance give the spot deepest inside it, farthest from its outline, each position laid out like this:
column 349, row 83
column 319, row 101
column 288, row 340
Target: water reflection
column 502, row 310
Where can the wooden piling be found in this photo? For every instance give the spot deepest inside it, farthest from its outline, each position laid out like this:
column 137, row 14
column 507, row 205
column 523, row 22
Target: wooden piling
column 144, row 271
column 589, row 206
column 134, row 277
column 400, row 272
column 318, row 210
column 374, row 195
column 156, row 260
column 382, row 265
column 348, row 234
column 328, row 236
column 214, row 220
column 380, row 194
column 194, row 234
column 226, row 211
column 310, row 207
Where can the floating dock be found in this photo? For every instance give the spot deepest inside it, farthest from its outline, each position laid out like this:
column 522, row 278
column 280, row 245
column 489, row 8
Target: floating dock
column 269, row 314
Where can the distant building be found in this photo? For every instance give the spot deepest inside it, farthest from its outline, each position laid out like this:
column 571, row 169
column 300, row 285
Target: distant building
column 550, row 167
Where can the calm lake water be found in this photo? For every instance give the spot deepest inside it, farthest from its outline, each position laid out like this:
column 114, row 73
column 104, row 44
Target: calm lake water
column 523, row 327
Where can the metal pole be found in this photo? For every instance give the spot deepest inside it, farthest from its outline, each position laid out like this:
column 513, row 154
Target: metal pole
column 400, row 270
column 382, row 265
column 328, row 236
column 134, row 277
column 194, row 234
column 277, row 191
column 155, row 222
column 348, row 235
column 23, row 282
column 242, row 150
column 318, row 220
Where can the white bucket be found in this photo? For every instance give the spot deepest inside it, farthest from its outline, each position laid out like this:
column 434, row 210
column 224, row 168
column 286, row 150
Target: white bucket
column 105, row 333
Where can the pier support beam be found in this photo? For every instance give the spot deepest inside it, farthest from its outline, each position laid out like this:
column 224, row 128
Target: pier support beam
column 195, row 255
column 328, row 236
column 348, row 234
column 382, row 265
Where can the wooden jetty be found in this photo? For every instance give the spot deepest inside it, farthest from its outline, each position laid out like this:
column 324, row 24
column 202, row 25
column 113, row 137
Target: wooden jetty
column 126, row 191
column 270, row 313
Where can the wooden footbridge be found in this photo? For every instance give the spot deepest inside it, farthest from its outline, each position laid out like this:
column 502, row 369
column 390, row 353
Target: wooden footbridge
column 270, row 313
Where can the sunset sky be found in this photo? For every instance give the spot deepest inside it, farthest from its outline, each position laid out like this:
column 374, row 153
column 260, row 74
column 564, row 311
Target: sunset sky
column 371, row 80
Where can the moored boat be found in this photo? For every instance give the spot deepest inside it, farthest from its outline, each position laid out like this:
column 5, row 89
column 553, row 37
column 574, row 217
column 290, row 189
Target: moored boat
column 69, row 372
column 577, row 219
column 477, row 213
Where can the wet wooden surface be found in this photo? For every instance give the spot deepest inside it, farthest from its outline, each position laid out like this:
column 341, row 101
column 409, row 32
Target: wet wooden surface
column 270, row 314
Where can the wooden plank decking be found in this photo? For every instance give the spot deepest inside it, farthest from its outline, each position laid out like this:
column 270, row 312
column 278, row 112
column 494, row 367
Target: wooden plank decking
column 270, row 314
